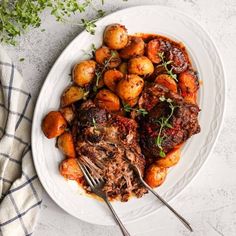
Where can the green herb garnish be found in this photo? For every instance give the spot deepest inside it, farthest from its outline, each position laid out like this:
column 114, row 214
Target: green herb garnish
column 164, row 123
column 17, row 16
column 128, row 109
column 99, row 73
column 165, row 65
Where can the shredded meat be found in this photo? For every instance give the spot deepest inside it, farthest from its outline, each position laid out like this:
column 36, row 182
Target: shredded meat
column 106, row 143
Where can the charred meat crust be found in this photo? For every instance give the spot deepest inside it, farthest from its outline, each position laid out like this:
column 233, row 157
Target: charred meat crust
column 184, row 121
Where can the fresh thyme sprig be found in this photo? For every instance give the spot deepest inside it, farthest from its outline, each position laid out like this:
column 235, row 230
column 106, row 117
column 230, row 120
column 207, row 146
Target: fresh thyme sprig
column 128, row 109
column 95, row 126
column 165, row 65
column 17, row 16
column 100, row 72
column 164, row 123
column 91, row 53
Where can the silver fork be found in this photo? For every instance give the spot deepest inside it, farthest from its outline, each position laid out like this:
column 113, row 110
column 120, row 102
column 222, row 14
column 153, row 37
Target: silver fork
column 185, row 222
column 96, row 185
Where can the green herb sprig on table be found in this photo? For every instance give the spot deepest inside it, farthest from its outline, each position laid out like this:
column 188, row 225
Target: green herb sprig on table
column 164, row 123
column 128, row 109
column 165, row 64
column 100, row 72
column 17, row 16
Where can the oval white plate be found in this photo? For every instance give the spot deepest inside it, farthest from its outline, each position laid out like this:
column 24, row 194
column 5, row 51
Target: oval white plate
column 149, row 19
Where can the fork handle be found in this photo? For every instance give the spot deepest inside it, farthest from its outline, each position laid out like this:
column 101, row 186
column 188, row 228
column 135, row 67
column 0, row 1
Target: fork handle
column 185, row 222
column 122, row 227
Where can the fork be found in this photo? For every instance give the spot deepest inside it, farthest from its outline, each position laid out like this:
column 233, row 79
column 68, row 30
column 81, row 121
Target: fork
column 185, row 222
column 96, row 185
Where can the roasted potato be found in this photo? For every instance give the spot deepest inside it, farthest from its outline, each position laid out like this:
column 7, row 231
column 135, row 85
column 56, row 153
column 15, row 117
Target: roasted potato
column 70, row 169
column 66, row 145
column 167, row 82
column 130, row 87
column 71, row 95
column 135, row 47
column 115, row 36
column 104, row 54
column 188, row 82
column 123, row 67
column 171, row 159
column 111, row 78
column 68, row 114
column 84, row 72
column 191, row 98
column 155, row 175
column 53, row 124
column 131, row 102
column 107, row 100
column 140, row 65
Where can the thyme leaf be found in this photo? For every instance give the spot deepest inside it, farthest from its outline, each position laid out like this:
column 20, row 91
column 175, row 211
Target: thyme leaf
column 165, row 64
column 164, row 123
column 141, row 111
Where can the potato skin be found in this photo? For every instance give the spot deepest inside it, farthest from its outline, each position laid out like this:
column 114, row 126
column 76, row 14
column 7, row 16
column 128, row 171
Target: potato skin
column 107, row 100
column 171, row 159
column 140, row 65
column 84, row 72
column 70, row 169
column 152, row 50
column 134, row 48
column 115, row 36
column 188, row 82
column 111, row 78
column 53, row 124
column 155, row 175
column 130, row 87
column 123, row 68
column 191, row 98
column 167, row 82
column 68, row 114
column 66, row 145
column 131, row 102
column 103, row 54
column 71, row 95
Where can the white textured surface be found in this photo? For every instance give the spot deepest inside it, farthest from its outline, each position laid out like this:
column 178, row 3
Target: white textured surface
column 210, row 201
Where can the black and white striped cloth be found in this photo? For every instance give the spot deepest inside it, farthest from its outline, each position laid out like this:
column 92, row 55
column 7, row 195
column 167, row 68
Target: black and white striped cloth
column 20, row 190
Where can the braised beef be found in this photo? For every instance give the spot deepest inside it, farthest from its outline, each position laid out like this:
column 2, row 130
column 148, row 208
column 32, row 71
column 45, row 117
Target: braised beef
column 183, row 123
column 106, row 143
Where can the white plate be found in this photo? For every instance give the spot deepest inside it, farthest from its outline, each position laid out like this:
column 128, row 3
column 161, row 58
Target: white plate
column 149, row 19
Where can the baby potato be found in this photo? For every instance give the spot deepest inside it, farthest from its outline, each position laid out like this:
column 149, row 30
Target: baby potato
column 123, row 67
column 105, row 99
column 131, row 102
column 135, row 47
column 70, row 169
column 71, row 95
column 104, row 54
column 155, row 175
column 53, row 124
column 84, row 72
column 66, row 145
column 68, row 114
column 171, row 159
column 111, row 78
column 140, row 65
column 167, row 82
column 188, row 82
column 130, row 87
column 115, row 36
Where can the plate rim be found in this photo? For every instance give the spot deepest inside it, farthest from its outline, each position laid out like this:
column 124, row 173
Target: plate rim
column 215, row 138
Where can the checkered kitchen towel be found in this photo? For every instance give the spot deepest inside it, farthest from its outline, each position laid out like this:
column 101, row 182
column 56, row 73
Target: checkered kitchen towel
column 20, row 190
